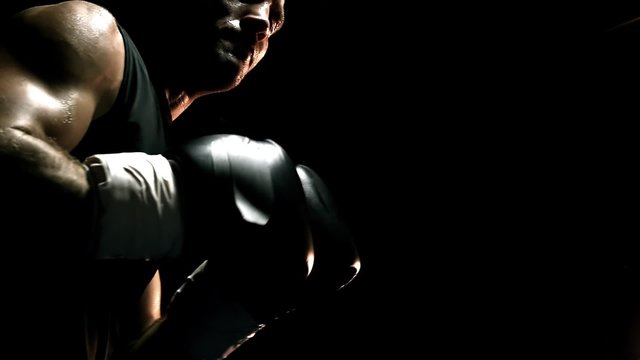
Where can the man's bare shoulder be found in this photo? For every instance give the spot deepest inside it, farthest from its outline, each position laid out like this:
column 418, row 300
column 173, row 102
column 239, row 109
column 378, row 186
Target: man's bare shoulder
column 73, row 40
column 67, row 16
column 60, row 67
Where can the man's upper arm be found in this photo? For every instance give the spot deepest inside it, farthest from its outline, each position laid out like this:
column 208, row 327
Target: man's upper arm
column 30, row 106
column 60, row 67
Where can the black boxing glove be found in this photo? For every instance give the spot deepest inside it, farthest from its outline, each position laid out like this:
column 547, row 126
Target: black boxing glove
column 244, row 211
column 231, row 189
column 246, row 208
column 213, row 319
column 226, row 198
column 337, row 261
column 140, row 215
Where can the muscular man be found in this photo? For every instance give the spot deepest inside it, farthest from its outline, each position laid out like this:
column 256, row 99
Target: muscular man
column 73, row 84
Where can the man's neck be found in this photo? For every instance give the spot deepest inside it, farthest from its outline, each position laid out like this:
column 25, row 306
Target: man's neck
column 178, row 102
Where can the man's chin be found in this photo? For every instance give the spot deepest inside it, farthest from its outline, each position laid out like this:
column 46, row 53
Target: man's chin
column 220, row 78
column 231, row 79
column 231, row 71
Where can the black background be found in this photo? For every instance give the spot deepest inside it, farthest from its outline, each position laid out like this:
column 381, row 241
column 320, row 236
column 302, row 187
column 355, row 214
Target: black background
column 483, row 167
column 484, row 158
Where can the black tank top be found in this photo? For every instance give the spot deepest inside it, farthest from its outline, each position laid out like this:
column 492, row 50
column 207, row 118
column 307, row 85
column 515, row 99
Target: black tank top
column 138, row 121
column 139, row 118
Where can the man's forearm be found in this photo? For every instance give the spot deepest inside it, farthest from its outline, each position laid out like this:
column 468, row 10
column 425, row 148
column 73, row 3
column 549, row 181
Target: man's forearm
column 26, row 158
column 45, row 195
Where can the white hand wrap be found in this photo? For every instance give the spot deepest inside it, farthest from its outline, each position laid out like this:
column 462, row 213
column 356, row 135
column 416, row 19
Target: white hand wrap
column 137, row 214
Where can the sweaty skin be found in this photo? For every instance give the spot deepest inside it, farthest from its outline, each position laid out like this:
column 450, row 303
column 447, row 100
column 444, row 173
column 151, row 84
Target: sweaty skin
column 65, row 69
